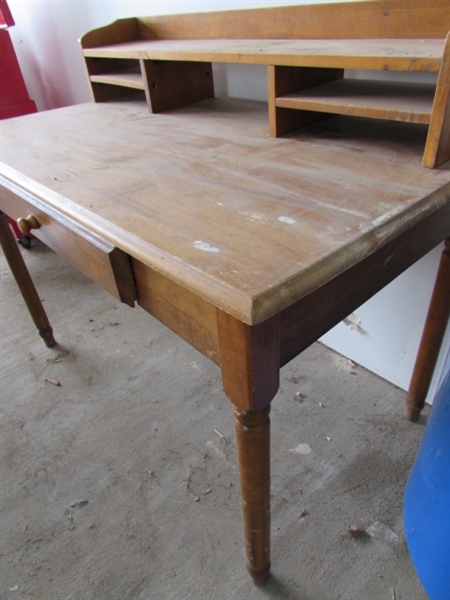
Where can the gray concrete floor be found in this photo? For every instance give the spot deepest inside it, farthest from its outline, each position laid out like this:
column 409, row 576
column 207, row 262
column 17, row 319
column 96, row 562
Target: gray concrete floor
column 121, row 483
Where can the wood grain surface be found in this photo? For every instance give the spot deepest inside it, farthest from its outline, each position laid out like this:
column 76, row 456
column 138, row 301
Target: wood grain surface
column 336, row 20
column 204, row 196
column 378, row 54
column 394, row 101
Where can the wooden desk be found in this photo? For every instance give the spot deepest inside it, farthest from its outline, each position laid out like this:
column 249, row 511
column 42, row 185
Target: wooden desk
column 249, row 247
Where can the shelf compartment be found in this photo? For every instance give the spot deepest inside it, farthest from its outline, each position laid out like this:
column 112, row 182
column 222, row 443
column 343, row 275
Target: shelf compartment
column 394, row 101
column 130, row 78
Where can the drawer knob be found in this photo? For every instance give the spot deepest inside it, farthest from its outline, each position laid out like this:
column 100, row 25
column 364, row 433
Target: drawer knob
column 26, row 225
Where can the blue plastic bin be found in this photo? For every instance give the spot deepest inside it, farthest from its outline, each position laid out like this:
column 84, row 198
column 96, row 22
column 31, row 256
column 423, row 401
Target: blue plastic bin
column 427, row 501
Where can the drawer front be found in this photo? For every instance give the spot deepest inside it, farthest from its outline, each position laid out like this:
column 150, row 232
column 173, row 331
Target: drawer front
column 93, row 256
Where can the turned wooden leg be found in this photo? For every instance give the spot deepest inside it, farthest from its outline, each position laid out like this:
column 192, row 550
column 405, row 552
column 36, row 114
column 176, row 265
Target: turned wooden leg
column 253, row 444
column 24, row 281
column 432, row 336
column 250, row 363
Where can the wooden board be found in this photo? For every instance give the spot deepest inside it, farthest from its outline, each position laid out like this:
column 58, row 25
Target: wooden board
column 395, row 101
column 205, row 197
column 379, row 54
column 437, row 149
column 336, row 20
column 125, row 78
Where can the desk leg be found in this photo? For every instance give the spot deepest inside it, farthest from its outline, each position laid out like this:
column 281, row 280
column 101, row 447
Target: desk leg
column 24, row 281
column 253, row 444
column 432, row 336
column 250, row 363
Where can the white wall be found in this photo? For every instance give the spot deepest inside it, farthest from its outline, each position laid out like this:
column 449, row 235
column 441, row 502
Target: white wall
column 46, row 41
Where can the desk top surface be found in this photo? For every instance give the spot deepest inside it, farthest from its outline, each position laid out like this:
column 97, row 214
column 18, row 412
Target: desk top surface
column 206, row 197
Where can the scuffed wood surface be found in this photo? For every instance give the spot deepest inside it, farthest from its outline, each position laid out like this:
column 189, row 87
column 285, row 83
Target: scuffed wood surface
column 379, row 54
column 204, row 196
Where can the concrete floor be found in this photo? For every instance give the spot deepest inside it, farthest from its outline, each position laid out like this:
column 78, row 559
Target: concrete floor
column 121, row 482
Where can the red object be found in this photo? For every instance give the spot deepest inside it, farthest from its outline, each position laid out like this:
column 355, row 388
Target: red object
column 14, row 99
column 6, row 19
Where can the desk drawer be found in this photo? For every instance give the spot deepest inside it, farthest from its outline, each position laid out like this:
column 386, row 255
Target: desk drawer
column 93, row 256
